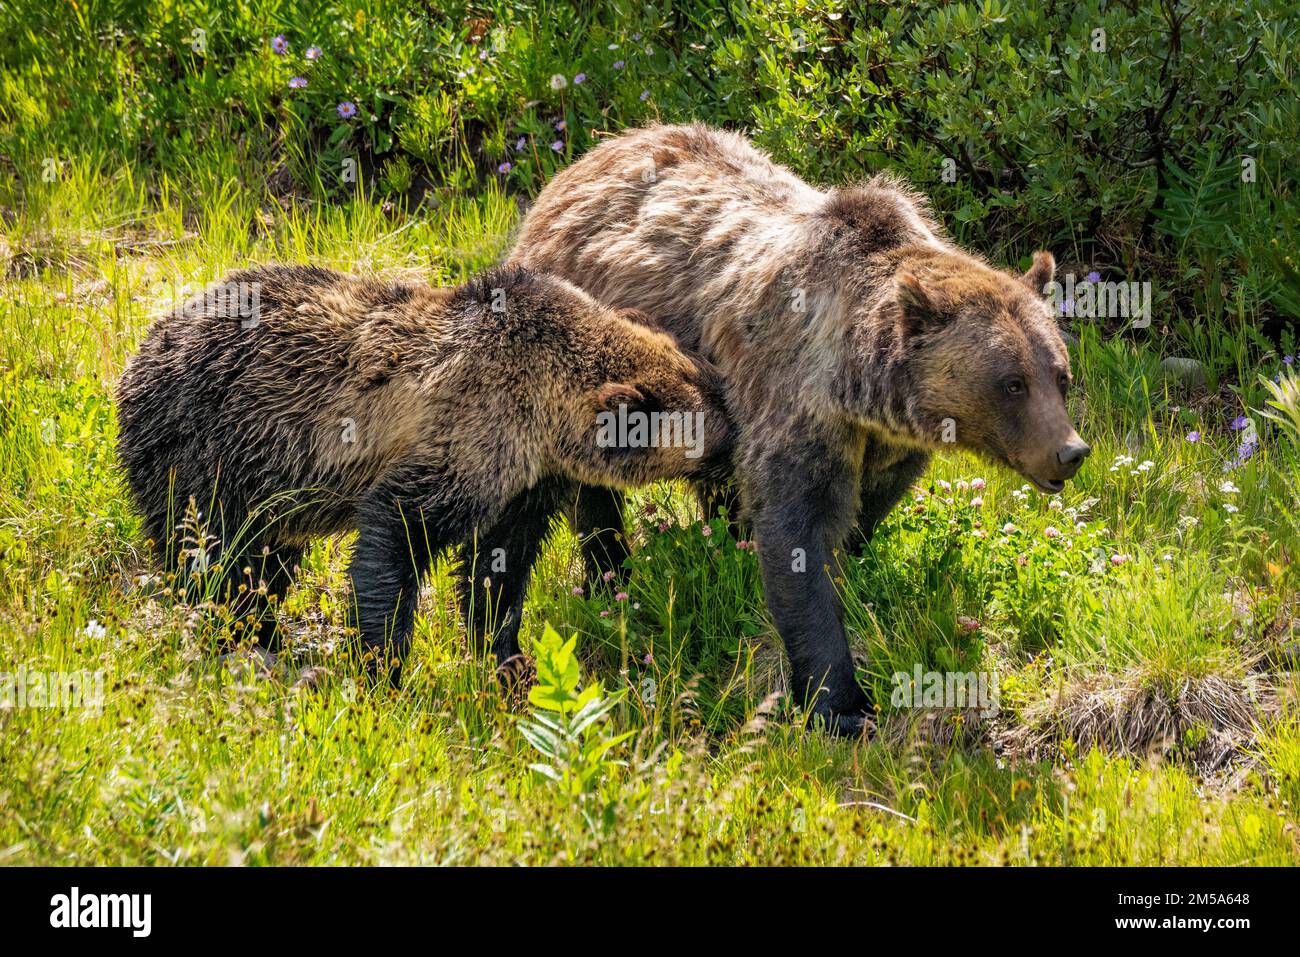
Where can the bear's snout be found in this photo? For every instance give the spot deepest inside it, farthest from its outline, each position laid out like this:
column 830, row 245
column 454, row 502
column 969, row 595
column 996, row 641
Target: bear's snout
column 1051, row 469
column 1072, row 453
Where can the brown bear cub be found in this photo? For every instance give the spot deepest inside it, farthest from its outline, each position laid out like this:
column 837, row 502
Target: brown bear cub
column 854, row 338
column 289, row 402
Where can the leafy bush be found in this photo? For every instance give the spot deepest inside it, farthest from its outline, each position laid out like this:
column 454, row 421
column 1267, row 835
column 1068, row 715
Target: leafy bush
column 1113, row 133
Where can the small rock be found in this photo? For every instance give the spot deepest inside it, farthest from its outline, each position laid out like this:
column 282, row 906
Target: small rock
column 1190, row 372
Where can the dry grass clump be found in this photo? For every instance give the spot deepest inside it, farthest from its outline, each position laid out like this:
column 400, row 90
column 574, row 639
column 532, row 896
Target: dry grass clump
column 1208, row 720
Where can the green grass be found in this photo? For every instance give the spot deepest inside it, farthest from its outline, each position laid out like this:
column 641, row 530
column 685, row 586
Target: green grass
column 1142, row 626
column 1152, row 594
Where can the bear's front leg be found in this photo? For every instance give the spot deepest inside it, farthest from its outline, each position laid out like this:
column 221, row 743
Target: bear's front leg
column 498, row 564
column 596, row 517
column 387, row 567
column 412, row 514
column 804, row 493
column 887, row 474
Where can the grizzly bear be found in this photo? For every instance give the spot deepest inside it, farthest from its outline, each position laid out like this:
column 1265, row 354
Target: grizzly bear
column 853, row 337
column 288, row 402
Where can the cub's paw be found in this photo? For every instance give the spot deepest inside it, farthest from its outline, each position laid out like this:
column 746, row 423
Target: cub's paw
column 517, row 676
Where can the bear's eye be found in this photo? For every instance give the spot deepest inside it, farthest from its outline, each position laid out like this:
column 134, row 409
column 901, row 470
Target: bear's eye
column 1015, row 386
column 1063, row 381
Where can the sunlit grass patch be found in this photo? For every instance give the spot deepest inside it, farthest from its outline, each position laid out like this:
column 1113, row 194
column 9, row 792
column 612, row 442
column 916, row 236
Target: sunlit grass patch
column 1138, row 626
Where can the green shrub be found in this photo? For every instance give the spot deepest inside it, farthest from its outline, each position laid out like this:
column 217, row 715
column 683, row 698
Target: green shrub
column 1144, row 140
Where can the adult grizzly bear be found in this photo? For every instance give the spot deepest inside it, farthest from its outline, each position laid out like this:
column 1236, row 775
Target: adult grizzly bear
column 853, row 337
column 290, row 402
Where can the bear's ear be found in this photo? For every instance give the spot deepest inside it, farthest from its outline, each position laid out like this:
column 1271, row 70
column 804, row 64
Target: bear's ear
column 918, row 309
column 1040, row 273
column 613, row 394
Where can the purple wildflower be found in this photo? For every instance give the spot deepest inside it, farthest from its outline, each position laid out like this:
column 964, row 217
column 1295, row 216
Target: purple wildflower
column 619, row 64
column 1093, row 276
column 1067, row 307
column 1193, row 436
column 504, row 168
column 580, row 79
column 313, row 53
column 298, row 83
column 279, row 44
column 645, row 95
column 1288, row 360
column 561, row 125
column 520, row 144
column 347, row 109
column 558, row 146
column 1239, row 423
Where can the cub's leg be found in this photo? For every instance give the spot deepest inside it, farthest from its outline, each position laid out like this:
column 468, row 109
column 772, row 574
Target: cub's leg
column 400, row 534
column 802, row 491
column 266, row 574
column 248, row 580
column 884, row 485
column 498, row 564
column 597, row 519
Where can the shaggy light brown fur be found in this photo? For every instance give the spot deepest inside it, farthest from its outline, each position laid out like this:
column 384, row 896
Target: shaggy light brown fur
column 854, row 339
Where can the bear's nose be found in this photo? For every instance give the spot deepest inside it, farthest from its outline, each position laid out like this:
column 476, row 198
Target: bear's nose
column 1073, row 452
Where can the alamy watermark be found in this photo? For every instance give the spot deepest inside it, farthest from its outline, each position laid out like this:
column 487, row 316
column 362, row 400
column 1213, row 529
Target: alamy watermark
column 962, row 690
column 229, row 299
column 1094, row 298
column 634, row 429
column 133, row 912
column 66, row 690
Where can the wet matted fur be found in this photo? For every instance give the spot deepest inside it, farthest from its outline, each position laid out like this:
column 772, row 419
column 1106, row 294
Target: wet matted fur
column 288, row 402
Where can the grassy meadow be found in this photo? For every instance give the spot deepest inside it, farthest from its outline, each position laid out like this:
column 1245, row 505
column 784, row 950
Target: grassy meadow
column 1142, row 626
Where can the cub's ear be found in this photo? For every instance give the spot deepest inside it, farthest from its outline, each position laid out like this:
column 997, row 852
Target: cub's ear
column 613, row 394
column 1040, row 273
column 918, row 309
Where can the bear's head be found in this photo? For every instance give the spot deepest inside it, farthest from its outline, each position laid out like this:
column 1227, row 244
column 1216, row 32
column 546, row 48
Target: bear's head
column 988, row 367
column 658, row 413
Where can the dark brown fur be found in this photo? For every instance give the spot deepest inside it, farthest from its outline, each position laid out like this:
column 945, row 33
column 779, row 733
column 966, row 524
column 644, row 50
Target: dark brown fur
column 423, row 417
column 854, row 339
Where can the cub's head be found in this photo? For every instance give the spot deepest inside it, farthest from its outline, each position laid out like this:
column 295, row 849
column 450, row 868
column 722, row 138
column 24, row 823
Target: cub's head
column 989, row 369
column 657, row 413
